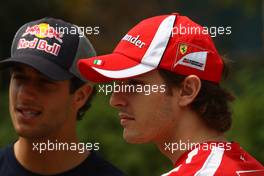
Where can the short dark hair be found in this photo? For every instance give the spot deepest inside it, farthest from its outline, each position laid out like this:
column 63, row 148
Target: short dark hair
column 211, row 103
column 75, row 84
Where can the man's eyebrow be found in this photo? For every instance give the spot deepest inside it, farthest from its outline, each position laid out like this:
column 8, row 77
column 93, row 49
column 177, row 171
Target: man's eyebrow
column 136, row 80
column 45, row 78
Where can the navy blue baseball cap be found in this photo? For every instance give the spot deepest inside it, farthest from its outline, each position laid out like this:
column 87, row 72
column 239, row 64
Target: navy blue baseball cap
column 51, row 46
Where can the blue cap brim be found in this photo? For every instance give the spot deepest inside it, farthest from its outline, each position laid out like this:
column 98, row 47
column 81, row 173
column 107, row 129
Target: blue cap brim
column 44, row 66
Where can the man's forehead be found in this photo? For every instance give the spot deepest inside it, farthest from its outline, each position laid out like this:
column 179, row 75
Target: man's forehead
column 150, row 76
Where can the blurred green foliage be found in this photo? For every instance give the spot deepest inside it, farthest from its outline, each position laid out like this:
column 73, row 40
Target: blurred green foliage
column 247, row 82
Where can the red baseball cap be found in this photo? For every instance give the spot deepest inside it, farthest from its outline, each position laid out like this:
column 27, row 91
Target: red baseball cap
column 172, row 42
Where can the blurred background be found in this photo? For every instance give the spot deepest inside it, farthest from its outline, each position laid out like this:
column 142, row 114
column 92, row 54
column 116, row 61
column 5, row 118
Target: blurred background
column 244, row 46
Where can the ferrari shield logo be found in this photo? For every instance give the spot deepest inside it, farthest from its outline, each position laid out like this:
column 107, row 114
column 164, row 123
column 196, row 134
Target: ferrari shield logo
column 183, row 48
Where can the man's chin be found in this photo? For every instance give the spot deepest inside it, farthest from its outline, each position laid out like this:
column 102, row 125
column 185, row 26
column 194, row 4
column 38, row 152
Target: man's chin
column 29, row 133
column 133, row 139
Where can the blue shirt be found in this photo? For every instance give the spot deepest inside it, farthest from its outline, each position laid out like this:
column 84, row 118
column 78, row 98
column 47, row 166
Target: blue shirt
column 93, row 165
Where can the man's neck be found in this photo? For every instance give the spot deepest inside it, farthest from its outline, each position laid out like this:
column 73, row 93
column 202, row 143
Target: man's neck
column 173, row 149
column 47, row 162
column 188, row 130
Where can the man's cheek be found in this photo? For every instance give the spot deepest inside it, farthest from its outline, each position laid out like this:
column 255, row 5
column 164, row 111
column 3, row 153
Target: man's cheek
column 12, row 103
column 58, row 108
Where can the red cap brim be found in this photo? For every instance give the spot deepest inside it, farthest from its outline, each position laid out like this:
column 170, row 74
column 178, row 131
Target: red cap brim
column 111, row 67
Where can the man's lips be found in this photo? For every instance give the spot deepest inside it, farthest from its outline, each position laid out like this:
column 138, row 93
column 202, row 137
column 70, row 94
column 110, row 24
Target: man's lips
column 27, row 112
column 125, row 118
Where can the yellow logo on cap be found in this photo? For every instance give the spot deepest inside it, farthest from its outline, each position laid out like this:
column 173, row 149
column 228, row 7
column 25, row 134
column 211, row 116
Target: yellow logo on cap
column 43, row 30
column 183, row 48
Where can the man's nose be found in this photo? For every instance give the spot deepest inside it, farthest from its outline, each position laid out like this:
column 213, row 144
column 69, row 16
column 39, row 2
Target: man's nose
column 27, row 91
column 118, row 99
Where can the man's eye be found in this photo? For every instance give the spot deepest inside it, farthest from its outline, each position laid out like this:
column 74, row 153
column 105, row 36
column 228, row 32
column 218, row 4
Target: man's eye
column 19, row 77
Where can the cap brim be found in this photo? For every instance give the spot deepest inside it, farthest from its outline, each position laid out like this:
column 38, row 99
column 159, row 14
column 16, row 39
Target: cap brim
column 44, row 66
column 111, row 67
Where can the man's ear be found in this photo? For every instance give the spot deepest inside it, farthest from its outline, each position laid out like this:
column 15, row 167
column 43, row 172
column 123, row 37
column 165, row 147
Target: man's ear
column 189, row 89
column 82, row 94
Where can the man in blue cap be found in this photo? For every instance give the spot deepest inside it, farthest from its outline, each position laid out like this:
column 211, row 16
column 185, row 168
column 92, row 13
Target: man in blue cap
column 47, row 97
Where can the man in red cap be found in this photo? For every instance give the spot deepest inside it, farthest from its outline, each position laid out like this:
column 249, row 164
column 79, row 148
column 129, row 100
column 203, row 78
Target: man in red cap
column 188, row 120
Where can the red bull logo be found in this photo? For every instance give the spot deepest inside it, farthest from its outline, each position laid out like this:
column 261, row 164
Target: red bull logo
column 43, row 30
column 39, row 44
